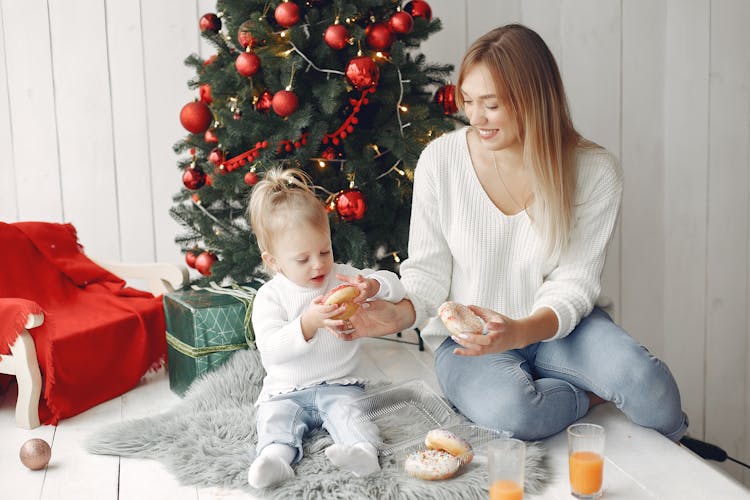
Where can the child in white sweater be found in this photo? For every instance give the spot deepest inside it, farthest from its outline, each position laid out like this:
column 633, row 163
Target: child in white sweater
column 310, row 374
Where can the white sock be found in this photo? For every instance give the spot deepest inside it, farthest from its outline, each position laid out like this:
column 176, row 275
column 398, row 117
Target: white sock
column 272, row 466
column 360, row 459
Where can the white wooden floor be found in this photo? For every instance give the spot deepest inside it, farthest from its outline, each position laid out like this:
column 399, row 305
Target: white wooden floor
column 640, row 463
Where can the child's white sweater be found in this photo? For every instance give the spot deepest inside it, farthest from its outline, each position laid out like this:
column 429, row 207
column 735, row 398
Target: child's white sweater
column 290, row 361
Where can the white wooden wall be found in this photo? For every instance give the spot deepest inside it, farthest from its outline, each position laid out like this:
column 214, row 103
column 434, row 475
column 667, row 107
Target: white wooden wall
column 90, row 92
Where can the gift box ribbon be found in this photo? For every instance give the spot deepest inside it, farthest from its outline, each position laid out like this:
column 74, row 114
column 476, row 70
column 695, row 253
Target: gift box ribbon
column 194, row 352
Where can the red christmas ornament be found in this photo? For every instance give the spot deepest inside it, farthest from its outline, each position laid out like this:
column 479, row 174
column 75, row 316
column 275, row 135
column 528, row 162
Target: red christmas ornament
column 401, row 22
column 362, row 72
column 350, row 204
column 287, row 14
column 204, row 262
column 336, row 36
column 379, row 36
column 419, row 8
column 216, row 156
column 446, row 98
column 210, row 136
column 247, row 63
column 193, row 178
column 264, row 102
column 190, row 257
column 244, row 36
column 196, row 117
column 329, row 153
column 210, row 22
column 251, row 178
column 204, row 92
column 284, row 102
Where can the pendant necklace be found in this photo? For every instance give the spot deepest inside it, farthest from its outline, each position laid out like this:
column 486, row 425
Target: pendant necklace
column 497, row 171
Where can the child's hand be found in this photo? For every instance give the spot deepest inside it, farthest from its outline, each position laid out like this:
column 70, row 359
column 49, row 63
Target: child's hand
column 368, row 287
column 316, row 315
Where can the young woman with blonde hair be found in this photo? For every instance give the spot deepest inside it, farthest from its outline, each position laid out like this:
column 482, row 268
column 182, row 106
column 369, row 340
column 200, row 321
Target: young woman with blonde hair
column 512, row 215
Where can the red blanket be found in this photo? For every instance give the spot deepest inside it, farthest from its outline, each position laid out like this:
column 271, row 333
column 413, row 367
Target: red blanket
column 98, row 337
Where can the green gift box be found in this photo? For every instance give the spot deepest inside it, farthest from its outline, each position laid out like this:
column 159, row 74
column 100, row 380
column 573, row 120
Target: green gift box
column 204, row 328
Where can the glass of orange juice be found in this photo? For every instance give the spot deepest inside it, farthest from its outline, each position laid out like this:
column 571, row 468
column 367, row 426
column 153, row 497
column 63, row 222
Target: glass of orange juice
column 586, row 460
column 506, row 458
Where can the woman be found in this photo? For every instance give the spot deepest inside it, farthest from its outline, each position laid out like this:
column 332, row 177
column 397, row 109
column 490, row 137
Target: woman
column 514, row 214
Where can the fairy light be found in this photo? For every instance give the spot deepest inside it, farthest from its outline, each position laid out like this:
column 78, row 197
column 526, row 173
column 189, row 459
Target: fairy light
column 312, row 64
column 321, row 164
column 403, row 108
column 396, row 258
column 394, row 168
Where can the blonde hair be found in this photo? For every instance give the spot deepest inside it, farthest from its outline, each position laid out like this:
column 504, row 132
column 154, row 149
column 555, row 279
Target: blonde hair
column 528, row 80
column 283, row 199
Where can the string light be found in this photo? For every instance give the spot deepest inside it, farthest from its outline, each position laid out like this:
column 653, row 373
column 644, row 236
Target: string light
column 396, row 257
column 303, row 56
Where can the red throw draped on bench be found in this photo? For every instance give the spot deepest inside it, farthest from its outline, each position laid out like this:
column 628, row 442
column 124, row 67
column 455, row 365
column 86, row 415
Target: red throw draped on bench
column 98, row 337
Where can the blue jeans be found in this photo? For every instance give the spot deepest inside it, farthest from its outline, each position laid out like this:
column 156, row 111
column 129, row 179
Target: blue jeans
column 539, row 390
column 286, row 418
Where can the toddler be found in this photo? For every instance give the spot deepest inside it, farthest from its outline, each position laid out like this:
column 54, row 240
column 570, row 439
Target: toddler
column 310, row 373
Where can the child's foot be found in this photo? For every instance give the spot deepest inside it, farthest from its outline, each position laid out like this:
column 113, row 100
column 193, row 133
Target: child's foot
column 266, row 471
column 360, row 459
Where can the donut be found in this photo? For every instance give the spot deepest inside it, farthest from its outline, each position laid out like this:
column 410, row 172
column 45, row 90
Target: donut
column 440, row 439
column 459, row 319
column 431, row 465
column 343, row 294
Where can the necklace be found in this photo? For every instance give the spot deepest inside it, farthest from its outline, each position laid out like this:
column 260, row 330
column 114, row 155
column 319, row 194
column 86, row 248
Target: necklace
column 499, row 176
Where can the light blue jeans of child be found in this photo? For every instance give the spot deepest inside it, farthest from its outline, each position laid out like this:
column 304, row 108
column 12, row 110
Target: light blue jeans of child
column 539, row 390
column 286, row 418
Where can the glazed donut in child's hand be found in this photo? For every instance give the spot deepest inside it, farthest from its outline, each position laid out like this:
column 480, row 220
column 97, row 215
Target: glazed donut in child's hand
column 440, row 439
column 460, row 319
column 343, row 294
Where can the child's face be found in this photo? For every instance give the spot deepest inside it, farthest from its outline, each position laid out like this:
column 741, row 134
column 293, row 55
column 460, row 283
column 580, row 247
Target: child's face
column 303, row 254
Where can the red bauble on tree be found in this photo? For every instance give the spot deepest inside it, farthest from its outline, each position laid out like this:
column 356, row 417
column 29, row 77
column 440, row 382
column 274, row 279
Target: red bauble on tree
column 216, row 156
column 244, row 36
column 284, row 102
column 204, row 262
column 251, row 178
column 196, row 117
column 446, row 98
column 204, row 92
column 247, row 63
column 193, row 178
column 287, row 14
column 350, row 204
column 264, row 102
column 336, row 36
column 379, row 36
column 401, row 22
column 190, row 258
column 210, row 136
column 362, row 72
column 419, row 8
column 210, row 22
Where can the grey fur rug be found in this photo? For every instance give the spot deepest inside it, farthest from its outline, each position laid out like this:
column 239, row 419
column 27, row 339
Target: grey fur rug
column 208, row 439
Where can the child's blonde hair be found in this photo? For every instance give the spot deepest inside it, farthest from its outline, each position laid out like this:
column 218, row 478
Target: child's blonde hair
column 282, row 199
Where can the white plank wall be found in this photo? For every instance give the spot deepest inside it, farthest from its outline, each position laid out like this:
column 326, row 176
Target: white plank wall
column 90, row 92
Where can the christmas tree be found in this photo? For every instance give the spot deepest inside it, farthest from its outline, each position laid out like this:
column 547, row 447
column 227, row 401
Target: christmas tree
column 335, row 88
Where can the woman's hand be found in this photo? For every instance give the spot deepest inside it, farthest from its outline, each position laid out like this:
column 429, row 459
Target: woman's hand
column 502, row 334
column 374, row 319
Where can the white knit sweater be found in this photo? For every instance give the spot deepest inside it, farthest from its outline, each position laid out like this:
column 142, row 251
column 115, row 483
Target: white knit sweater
column 290, row 361
column 463, row 248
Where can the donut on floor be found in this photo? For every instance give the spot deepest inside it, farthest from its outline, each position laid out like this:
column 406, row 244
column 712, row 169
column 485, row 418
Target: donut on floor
column 431, row 465
column 441, row 439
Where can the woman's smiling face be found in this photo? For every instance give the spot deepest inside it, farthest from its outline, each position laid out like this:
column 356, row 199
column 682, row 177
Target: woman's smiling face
column 487, row 112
